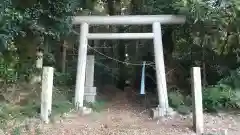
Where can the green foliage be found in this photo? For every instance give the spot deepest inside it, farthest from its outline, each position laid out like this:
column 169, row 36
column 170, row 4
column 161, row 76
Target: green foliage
column 8, row 73
column 176, row 99
column 217, row 97
column 12, row 69
column 49, row 60
column 45, row 21
column 96, row 106
column 225, row 94
column 9, row 112
column 61, row 107
column 160, row 7
column 63, row 79
column 52, row 18
column 10, row 23
column 181, row 103
column 16, row 131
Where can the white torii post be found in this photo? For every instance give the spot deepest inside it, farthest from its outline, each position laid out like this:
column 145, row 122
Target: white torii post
column 155, row 20
column 81, row 66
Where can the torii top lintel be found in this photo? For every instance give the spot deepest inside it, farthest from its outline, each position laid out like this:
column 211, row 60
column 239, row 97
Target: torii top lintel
column 130, row 19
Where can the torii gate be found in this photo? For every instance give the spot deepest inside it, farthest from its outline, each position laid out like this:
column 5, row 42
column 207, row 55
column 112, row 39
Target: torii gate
column 155, row 20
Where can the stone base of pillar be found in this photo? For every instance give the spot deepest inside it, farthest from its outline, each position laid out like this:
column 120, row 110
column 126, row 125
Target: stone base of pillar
column 158, row 112
column 90, row 94
column 85, row 111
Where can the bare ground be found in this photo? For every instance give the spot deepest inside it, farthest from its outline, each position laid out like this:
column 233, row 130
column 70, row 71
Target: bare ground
column 122, row 117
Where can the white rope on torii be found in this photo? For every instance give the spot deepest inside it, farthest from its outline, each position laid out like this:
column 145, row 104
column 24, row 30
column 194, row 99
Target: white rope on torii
column 155, row 20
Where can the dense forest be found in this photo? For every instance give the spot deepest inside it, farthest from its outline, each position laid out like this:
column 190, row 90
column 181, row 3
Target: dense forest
column 209, row 39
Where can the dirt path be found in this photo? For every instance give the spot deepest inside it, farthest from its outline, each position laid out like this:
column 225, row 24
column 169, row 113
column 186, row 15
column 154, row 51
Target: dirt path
column 122, row 118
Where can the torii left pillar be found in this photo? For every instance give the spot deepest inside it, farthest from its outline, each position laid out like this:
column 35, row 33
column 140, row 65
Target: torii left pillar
column 81, row 66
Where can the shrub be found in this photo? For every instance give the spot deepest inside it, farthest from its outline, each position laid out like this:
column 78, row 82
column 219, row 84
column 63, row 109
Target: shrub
column 63, row 79
column 176, row 99
column 225, row 94
column 181, row 103
column 217, row 97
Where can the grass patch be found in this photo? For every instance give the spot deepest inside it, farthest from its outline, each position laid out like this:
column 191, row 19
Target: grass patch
column 182, row 104
column 96, row 106
column 10, row 113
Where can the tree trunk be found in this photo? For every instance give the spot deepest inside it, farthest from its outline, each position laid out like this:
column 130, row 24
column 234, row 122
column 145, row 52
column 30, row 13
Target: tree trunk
column 122, row 68
column 116, row 45
column 63, row 55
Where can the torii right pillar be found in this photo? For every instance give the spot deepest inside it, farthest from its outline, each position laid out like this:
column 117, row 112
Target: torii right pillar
column 163, row 107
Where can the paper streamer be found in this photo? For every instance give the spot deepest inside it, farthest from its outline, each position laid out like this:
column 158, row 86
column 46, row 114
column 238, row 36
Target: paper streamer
column 142, row 91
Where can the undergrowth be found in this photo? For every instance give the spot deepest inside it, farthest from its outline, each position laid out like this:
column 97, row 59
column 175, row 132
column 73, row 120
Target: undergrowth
column 17, row 114
column 224, row 95
column 14, row 82
column 96, row 106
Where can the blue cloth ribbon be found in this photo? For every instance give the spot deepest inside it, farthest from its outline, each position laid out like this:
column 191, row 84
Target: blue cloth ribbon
column 142, row 91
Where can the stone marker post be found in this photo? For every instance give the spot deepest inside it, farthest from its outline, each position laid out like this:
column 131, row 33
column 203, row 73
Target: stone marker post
column 90, row 71
column 46, row 95
column 90, row 90
column 197, row 101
